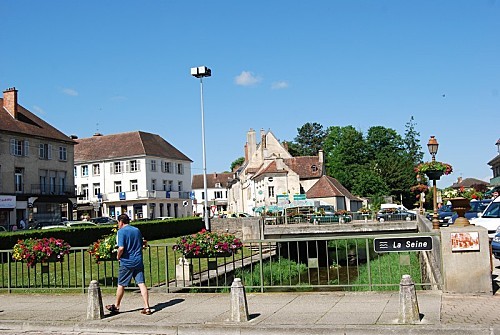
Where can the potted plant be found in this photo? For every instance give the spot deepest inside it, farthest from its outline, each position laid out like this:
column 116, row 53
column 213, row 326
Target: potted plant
column 43, row 250
column 207, row 244
column 434, row 169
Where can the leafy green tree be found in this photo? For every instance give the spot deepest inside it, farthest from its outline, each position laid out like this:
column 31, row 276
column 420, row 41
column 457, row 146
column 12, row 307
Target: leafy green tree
column 237, row 163
column 309, row 140
column 412, row 142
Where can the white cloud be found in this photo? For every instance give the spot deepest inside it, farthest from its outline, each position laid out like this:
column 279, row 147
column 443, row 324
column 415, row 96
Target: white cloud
column 70, row 91
column 247, row 78
column 38, row 110
column 279, row 85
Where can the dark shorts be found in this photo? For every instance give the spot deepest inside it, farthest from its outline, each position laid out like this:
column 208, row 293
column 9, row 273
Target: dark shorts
column 125, row 275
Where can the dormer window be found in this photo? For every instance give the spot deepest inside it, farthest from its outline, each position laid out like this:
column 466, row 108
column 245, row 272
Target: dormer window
column 314, row 168
column 270, row 179
column 218, row 185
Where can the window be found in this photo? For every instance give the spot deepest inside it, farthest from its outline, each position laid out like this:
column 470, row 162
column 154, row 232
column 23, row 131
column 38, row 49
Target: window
column 170, row 185
column 85, row 170
column 165, row 185
column 117, row 167
column 19, row 147
column 271, row 191
column 18, row 179
column 43, row 184
column 153, row 184
column 134, row 166
column 52, row 184
column 167, row 167
column 133, row 185
column 314, row 168
column 85, row 192
column 218, row 194
column 97, row 189
column 96, row 169
column 180, row 168
column 45, row 151
column 63, row 155
column 179, row 186
column 62, row 182
column 218, row 185
column 118, row 186
column 153, row 165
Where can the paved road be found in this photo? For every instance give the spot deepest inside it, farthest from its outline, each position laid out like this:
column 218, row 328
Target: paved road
column 270, row 313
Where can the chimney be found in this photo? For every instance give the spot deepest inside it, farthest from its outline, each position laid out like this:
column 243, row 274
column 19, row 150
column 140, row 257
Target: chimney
column 459, row 181
column 10, row 101
column 251, row 144
column 321, row 159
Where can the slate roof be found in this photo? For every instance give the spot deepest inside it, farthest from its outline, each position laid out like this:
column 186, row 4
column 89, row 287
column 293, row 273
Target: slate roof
column 327, row 187
column 212, row 179
column 131, row 144
column 29, row 124
column 468, row 183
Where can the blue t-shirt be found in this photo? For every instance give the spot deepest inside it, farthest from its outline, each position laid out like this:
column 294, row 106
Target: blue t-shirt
column 130, row 238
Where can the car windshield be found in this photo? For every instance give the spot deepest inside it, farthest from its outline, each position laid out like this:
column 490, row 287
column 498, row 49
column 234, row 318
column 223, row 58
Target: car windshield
column 478, row 206
column 493, row 210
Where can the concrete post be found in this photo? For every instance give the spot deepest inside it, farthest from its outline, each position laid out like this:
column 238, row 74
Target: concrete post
column 183, row 270
column 408, row 304
column 239, row 307
column 95, row 311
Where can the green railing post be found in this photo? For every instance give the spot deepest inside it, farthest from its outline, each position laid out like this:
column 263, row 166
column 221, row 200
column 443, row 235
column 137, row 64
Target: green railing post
column 261, row 264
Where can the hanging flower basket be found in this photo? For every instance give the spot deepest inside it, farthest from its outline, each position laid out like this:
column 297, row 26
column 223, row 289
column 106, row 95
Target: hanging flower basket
column 43, row 250
column 434, row 174
column 206, row 244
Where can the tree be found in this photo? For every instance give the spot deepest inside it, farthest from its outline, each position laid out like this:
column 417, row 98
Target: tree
column 309, row 140
column 412, row 142
column 237, row 163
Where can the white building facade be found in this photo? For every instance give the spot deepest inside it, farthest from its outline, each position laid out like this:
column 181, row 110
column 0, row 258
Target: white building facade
column 136, row 173
column 216, row 201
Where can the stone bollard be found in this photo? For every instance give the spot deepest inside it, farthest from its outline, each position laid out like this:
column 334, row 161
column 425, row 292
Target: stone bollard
column 408, row 304
column 183, row 270
column 95, row 311
column 239, row 307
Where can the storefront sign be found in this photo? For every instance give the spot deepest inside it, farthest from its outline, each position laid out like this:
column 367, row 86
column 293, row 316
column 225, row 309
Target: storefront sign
column 7, row 201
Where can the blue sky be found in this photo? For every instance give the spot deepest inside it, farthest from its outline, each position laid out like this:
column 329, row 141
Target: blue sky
column 118, row 66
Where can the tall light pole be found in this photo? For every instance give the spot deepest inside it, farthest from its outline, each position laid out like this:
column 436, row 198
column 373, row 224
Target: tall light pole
column 433, row 146
column 201, row 72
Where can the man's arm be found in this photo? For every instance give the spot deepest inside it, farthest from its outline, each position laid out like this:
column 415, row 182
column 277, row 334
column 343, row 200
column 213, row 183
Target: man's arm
column 119, row 253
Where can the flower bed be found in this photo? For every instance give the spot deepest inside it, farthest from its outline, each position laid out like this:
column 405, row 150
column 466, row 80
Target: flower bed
column 33, row 251
column 207, row 244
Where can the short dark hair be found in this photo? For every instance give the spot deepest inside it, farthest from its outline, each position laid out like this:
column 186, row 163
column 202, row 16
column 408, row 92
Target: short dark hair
column 124, row 218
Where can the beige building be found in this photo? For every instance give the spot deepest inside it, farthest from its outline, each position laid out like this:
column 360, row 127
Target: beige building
column 36, row 167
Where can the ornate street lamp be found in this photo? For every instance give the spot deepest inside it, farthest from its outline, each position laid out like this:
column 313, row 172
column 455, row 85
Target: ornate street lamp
column 433, row 146
column 201, row 72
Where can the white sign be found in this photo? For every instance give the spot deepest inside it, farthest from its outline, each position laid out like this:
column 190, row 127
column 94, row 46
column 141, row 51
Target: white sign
column 7, row 201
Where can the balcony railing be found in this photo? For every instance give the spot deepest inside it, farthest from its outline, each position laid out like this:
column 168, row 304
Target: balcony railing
column 41, row 189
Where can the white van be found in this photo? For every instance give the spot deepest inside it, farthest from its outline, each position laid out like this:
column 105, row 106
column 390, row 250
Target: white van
column 396, row 206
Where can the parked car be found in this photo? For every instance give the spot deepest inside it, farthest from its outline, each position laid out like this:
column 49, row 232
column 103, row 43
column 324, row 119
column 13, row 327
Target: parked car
column 444, row 213
column 164, row 218
column 395, row 215
column 495, row 245
column 103, row 220
column 70, row 224
column 320, row 219
column 490, row 218
column 476, row 207
column 50, row 225
column 239, row 215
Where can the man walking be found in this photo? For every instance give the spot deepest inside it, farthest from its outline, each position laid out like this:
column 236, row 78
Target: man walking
column 131, row 264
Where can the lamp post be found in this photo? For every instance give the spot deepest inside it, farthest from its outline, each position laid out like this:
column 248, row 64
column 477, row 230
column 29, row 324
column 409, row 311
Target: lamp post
column 433, row 146
column 201, row 72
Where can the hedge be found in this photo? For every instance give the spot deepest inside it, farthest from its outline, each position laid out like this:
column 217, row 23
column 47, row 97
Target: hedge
column 84, row 236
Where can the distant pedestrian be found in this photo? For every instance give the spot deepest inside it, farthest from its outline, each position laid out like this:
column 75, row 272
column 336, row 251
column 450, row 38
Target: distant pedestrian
column 22, row 224
column 130, row 245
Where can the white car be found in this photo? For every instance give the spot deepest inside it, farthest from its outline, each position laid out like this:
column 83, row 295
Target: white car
column 164, row 218
column 490, row 218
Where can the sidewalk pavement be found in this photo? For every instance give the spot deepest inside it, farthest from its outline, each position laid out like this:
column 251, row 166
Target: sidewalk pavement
column 270, row 313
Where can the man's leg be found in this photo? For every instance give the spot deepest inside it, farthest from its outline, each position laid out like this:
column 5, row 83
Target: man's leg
column 120, row 291
column 144, row 293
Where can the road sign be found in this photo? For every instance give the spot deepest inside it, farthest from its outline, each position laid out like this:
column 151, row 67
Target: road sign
column 396, row 244
column 299, row 197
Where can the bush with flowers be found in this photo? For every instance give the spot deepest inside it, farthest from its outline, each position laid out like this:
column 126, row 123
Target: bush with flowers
column 104, row 248
column 33, row 250
column 207, row 244
column 462, row 192
column 434, row 166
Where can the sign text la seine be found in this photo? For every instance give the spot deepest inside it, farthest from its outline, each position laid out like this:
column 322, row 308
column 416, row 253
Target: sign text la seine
column 395, row 244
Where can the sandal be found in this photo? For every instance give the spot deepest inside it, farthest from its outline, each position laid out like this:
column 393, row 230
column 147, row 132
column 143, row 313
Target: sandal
column 112, row 309
column 146, row 311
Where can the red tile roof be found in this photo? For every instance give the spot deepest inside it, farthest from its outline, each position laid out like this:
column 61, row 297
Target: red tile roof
column 29, row 124
column 327, row 187
column 303, row 166
column 129, row 144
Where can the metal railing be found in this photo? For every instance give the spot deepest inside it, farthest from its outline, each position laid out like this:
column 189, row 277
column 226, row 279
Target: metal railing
column 322, row 263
